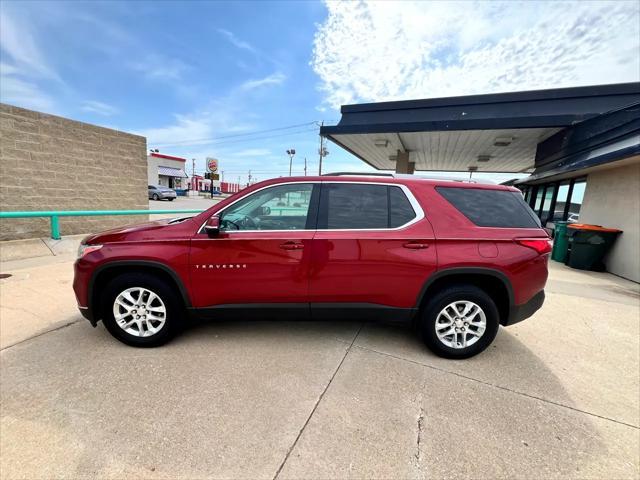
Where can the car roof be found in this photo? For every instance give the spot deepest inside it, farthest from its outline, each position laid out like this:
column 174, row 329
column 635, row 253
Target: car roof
column 400, row 179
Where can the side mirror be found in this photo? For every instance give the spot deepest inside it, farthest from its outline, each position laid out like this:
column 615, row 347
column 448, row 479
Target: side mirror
column 212, row 227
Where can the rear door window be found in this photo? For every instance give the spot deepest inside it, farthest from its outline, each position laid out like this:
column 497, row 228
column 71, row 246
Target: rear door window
column 347, row 206
column 491, row 208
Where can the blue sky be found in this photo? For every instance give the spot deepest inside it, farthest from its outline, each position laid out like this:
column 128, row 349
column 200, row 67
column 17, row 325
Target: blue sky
column 185, row 74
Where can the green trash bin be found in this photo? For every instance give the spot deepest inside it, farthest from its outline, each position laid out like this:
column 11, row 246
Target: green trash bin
column 560, row 242
column 588, row 244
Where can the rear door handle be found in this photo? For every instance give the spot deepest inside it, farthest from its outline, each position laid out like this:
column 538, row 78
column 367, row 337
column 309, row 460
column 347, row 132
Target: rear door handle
column 292, row 246
column 416, row 246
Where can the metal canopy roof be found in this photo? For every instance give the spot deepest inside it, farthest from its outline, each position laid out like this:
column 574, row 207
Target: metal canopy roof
column 453, row 134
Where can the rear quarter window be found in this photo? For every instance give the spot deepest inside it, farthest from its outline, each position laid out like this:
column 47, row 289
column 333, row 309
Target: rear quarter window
column 491, row 208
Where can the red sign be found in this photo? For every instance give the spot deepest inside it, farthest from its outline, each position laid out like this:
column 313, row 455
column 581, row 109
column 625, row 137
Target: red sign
column 212, row 165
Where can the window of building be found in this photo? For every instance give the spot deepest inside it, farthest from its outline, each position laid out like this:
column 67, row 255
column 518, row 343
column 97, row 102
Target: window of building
column 546, row 214
column 538, row 202
column 577, row 195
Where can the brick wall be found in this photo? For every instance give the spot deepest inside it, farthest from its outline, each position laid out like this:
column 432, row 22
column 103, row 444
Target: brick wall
column 53, row 163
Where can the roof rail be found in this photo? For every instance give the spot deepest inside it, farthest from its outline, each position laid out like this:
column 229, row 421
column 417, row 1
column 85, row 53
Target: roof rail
column 409, row 176
column 357, row 174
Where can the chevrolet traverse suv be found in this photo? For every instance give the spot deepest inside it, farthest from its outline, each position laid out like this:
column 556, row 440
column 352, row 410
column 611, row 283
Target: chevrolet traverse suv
column 454, row 259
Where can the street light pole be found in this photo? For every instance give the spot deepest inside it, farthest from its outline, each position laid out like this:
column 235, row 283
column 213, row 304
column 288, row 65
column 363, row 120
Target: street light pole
column 291, row 152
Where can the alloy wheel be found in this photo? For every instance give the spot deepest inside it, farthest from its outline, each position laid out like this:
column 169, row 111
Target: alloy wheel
column 139, row 312
column 460, row 324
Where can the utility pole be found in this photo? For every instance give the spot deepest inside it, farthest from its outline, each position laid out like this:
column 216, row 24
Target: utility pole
column 249, row 177
column 193, row 173
column 305, row 166
column 322, row 151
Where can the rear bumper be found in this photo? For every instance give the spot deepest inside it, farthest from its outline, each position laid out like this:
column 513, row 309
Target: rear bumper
column 517, row 313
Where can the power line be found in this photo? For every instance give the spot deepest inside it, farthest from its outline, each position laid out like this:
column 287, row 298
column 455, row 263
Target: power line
column 246, row 134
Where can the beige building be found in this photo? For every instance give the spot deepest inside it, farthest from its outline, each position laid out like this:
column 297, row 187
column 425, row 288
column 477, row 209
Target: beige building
column 53, row 163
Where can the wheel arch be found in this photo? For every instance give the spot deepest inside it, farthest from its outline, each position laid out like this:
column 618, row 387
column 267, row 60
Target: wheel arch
column 105, row 273
column 494, row 282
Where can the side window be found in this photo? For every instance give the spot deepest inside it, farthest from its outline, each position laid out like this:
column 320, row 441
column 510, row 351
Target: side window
column 353, row 206
column 400, row 209
column 283, row 207
column 363, row 206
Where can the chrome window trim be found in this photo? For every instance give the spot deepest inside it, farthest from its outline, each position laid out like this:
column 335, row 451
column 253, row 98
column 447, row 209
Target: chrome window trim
column 417, row 209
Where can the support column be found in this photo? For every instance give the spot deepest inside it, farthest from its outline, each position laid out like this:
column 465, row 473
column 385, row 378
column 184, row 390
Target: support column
column 403, row 165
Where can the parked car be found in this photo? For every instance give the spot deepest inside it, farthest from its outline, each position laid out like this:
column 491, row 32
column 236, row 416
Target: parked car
column 454, row 259
column 159, row 192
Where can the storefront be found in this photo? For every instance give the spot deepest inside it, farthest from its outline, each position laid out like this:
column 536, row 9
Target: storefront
column 166, row 170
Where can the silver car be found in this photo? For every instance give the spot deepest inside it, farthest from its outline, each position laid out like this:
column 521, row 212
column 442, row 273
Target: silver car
column 158, row 192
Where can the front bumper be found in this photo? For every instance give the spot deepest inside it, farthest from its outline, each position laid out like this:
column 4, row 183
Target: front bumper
column 518, row 313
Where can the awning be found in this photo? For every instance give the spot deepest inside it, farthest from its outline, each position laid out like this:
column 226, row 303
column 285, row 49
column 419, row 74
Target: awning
column 504, row 132
column 172, row 172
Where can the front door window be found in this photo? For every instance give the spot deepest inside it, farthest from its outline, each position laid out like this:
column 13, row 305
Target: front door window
column 283, row 207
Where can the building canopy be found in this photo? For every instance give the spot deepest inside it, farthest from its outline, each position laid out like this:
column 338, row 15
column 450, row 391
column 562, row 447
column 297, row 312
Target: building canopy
column 507, row 132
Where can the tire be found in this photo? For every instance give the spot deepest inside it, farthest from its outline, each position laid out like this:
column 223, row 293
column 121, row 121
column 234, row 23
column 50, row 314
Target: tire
column 459, row 297
column 171, row 199
column 133, row 284
column 155, row 197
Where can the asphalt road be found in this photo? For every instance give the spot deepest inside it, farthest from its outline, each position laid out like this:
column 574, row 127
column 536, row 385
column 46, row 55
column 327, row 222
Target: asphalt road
column 554, row 397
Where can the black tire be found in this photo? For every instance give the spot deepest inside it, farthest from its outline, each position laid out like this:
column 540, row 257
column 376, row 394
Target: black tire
column 171, row 199
column 446, row 296
column 172, row 304
column 155, row 197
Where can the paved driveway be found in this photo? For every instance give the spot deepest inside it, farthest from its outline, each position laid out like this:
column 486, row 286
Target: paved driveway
column 556, row 396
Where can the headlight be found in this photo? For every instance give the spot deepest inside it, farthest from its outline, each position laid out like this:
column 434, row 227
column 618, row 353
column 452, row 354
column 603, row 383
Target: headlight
column 84, row 249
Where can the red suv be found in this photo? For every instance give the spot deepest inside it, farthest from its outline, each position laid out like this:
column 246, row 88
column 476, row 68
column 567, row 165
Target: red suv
column 456, row 259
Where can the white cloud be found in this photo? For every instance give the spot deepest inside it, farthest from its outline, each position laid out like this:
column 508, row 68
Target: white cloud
column 159, row 67
column 100, row 108
column 375, row 51
column 273, row 79
column 23, row 67
column 19, row 44
column 23, row 93
column 235, row 41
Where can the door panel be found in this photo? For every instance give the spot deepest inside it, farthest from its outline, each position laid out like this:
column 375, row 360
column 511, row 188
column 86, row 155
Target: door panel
column 353, row 263
column 250, row 267
column 370, row 267
column 262, row 253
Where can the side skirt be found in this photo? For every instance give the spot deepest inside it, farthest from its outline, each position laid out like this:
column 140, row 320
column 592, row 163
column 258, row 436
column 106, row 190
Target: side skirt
column 305, row 311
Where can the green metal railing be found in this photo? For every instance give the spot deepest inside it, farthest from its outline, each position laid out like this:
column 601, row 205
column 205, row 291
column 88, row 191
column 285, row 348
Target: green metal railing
column 55, row 216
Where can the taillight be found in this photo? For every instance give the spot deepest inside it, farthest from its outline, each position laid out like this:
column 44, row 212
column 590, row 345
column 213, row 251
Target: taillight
column 540, row 245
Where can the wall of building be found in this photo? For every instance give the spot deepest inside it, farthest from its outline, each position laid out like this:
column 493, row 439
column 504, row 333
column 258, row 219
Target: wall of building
column 53, row 163
column 152, row 169
column 612, row 199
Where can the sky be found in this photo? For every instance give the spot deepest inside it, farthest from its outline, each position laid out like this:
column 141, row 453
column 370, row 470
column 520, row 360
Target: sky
column 245, row 81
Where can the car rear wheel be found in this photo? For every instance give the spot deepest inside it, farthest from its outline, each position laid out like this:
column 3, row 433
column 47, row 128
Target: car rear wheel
column 171, row 199
column 140, row 310
column 459, row 322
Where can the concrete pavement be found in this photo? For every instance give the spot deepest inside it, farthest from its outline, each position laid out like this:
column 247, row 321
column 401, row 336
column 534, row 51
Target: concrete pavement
column 555, row 396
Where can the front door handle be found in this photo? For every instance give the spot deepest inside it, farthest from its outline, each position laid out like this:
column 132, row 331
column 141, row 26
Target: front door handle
column 292, row 246
column 416, row 246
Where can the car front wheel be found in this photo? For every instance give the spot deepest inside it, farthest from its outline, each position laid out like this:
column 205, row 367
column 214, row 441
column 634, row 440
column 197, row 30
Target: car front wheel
column 459, row 322
column 155, row 197
column 140, row 310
